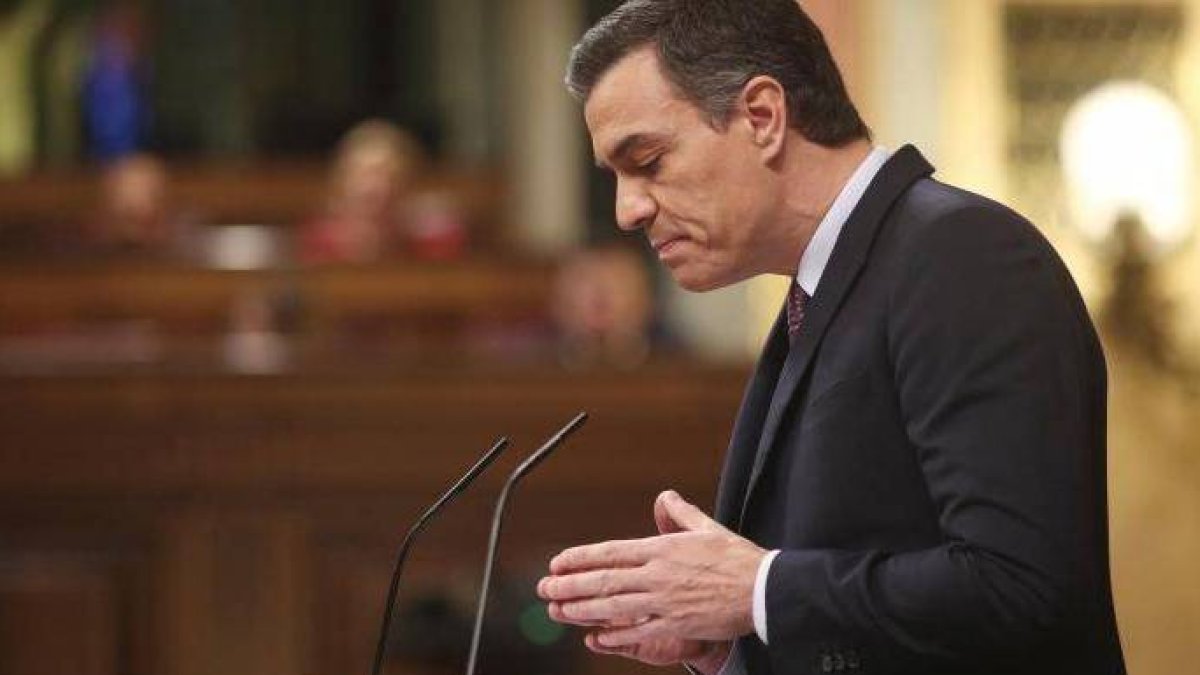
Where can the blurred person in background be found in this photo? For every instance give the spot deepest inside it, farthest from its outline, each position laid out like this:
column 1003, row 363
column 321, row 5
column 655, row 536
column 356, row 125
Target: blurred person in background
column 365, row 217
column 603, row 307
column 135, row 214
column 115, row 106
column 21, row 23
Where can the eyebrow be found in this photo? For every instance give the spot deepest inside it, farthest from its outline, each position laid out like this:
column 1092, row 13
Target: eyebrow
column 623, row 148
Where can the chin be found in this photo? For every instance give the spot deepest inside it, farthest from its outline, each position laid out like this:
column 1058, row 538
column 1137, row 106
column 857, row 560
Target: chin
column 698, row 283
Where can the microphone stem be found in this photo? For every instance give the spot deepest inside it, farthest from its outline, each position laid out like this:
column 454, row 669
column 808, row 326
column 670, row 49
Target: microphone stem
column 390, row 606
column 488, row 566
column 522, row 470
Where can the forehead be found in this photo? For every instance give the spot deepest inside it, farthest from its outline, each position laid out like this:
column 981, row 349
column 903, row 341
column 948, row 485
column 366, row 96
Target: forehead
column 635, row 99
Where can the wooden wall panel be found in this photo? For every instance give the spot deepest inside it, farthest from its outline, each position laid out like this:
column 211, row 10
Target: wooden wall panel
column 60, row 613
column 202, row 525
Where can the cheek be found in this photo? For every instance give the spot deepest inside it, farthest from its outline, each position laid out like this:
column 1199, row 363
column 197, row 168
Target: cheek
column 698, row 208
column 710, row 199
column 732, row 199
column 728, row 231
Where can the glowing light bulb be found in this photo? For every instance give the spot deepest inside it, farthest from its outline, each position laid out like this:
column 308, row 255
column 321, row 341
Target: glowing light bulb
column 1127, row 148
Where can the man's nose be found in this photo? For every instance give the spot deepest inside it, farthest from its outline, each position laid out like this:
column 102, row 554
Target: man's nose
column 635, row 207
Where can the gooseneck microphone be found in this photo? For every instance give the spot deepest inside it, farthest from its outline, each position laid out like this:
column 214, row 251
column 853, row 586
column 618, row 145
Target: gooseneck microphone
column 455, row 490
column 497, row 520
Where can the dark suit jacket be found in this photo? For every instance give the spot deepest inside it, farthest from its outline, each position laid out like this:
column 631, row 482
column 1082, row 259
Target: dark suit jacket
column 930, row 454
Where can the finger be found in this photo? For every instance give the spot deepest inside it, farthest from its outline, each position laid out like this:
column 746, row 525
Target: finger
column 626, row 637
column 685, row 515
column 662, row 519
column 618, row 608
column 554, row 610
column 624, row 623
column 596, row 583
column 625, row 553
column 590, row 640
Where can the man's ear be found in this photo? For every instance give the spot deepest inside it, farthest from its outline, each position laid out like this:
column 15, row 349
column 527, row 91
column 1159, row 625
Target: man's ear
column 763, row 105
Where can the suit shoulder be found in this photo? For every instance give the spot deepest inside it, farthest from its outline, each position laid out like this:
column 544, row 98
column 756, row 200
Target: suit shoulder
column 934, row 214
column 942, row 236
column 944, row 231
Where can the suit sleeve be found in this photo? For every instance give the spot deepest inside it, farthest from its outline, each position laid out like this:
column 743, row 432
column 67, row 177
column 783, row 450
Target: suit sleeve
column 995, row 369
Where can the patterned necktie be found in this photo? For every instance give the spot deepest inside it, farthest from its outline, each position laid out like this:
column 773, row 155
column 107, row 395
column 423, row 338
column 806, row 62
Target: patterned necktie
column 797, row 302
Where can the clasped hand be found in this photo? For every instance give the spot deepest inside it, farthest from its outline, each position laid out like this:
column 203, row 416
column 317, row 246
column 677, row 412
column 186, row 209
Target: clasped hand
column 678, row 597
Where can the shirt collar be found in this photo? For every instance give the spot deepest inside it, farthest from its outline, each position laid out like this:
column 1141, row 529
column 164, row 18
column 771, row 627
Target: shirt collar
column 816, row 254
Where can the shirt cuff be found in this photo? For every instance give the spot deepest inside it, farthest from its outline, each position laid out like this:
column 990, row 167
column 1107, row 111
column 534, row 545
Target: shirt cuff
column 733, row 663
column 760, row 596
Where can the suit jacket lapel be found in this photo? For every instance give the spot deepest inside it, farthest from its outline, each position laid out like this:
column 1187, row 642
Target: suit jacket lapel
column 748, row 427
column 849, row 254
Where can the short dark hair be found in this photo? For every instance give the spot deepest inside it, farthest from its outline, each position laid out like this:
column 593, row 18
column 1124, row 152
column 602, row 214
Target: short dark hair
column 710, row 49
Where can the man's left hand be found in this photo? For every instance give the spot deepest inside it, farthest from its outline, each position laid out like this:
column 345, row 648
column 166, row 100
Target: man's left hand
column 693, row 582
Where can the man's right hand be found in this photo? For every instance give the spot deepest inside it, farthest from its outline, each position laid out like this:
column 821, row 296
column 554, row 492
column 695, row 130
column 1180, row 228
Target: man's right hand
column 706, row 657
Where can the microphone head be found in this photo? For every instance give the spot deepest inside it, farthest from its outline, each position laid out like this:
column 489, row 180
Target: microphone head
column 544, row 451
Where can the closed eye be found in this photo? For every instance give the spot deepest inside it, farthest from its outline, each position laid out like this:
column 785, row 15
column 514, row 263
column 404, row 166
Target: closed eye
column 651, row 167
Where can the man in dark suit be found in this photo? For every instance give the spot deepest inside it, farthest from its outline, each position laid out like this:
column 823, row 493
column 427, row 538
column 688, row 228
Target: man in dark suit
column 916, row 479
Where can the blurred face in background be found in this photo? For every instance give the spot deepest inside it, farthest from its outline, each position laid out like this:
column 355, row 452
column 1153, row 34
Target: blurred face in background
column 601, row 293
column 374, row 167
column 369, row 182
column 134, row 200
